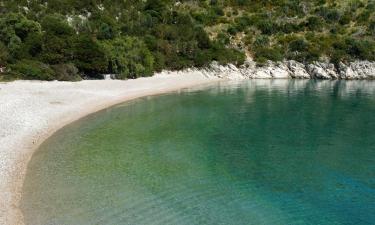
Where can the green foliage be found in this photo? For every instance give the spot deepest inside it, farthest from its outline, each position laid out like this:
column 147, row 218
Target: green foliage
column 4, row 55
column 371, row 27
column 56, row 49
column 129, row 57
column 262, row 54
column 225, row 56
column 66, row 72
column 361, row 49
column 329, row 14
column 56, row 25
column 137, row 38
column 261, row 41
column 56, row 43
column 16, row 25
column 32, row 70
column 314, row 23
column 89, row 56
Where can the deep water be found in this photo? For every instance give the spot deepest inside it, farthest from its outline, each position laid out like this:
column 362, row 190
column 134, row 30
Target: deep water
column 273, row 152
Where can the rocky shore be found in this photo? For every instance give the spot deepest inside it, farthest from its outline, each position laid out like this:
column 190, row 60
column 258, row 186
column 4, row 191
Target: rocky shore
column 358, row 70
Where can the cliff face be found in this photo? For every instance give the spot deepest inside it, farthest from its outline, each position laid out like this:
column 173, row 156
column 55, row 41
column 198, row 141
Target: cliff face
column 291, row 69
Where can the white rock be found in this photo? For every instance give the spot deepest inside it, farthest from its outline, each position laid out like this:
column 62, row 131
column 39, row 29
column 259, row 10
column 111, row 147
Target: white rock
column 321, row 70
column 346, row 72
column 297, row 70
column 262, row 73
column 363, row 69
column 280, row 71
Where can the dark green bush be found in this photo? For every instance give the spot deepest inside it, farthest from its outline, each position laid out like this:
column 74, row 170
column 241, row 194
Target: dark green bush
column 4, row 55
column 371, row 27
column 32, row 70
column 314, row 23
column 298, row 45
column 267, row 27
column 223, row 38
column 261, row 41
column 232, row 30
column 262, row 54
column 56, row 25
column 129, row 57
column 361, row 49
column 66, row 72
column 89, row 56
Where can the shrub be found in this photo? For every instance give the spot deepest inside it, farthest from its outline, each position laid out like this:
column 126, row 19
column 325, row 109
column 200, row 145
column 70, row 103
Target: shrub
column 218, row 11
column 314, row 23
column 290, row 28
column 229, row 55
column 15, row 24
column 89, row 56
column 56, row 49
column 329, row 14
column 225, row 55
column 32, row 70
column 66, row 72
column 202, row 38
column 232, row 30
column 4, row 55
column 263, row 54
column 223, row 38
column 243, row 22
column 267, row 27
column 129, row 57
column 371, row 27
column 56, row 24
column 345, row 19
column 201, row 57
column 298, row 45
column 261, row 41
column 361, row 49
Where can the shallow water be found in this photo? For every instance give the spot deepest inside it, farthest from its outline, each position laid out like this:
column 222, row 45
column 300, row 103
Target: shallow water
column 255, row 152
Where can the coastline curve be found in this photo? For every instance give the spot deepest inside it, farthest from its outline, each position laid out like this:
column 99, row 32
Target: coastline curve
column 31, row 111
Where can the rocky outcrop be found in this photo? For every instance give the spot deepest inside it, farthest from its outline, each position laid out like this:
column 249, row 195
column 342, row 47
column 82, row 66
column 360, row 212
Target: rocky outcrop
column 320, row 70
column 292, row 69
column 357, row 70
column 297, row 70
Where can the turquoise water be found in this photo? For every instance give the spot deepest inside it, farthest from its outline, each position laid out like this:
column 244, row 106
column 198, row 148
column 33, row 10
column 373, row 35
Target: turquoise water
column 234, row 153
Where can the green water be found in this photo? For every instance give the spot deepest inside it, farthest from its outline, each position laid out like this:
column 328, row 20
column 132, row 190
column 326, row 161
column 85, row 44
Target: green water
column 234, row 153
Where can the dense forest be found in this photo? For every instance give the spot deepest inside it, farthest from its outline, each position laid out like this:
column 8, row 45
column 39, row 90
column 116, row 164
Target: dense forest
column 75, row 39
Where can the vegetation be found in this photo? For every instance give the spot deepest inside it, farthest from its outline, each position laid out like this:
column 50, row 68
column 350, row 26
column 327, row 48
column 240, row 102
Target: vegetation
column 67, row 40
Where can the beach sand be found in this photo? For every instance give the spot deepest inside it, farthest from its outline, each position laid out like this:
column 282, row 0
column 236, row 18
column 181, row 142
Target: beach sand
column 30, row 111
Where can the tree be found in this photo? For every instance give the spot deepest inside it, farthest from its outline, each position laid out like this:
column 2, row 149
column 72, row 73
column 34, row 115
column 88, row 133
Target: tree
column 4, row 55
column 89, row 56
column 57, row 25
column 128, row 57
column 15, row 24
column 33, row 70
column 57, row 40
column 14, row 30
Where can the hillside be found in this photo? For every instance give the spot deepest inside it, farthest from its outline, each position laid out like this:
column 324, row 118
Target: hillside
column 71, row 39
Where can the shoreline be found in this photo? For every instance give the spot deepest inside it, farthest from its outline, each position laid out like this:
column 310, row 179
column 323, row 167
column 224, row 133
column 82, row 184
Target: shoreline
column 32, row 111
